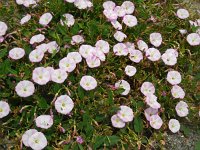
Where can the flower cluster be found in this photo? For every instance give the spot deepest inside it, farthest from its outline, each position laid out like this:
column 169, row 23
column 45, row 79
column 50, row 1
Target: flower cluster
column 27, row 3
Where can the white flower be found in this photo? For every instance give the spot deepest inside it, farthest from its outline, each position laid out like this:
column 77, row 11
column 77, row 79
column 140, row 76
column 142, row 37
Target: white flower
column 67, row 64
column 147, row 88
column 27, row 135
column 174, row 77
column 182, row 13
column 153, row 54
column 36, row 55
column 183, row 31
column 120, row 49
column 45, row 19
column 136, row 56
column 42, row 47
column 88, row 83
column 93, row 62
column 128, row 6
column 83, row 4
column 151, row 100
column 142, row 45
column 41, row 75
column 4, row 109
column 130, row 70
column 182, row 109
column 75, row 56
column 130, row 46
column 117, row 122
column 149, row 112
column 25, row 19
column 70, row 1
column 172, row 51
column 68, row 20
column 169, row 58
column 119, row 36
column 120, row 11
column 110, row 14
column 27, row 3
column 103, row 46
column 109, row 5
column 116, row 25
column 16, row 53
column 156, row 39
column 64, row 104
column 25, row 88
column 124, row 85
column 177, row 92
column 37, row 38
column 58, row 75
column 125, row 114
column 86, row 51
column 37, row 141
column 174, row 125
column 99, row 54
column 156, row 122
column 77, row 39
column 193, row 39
column 130, row 20
column 53, row 47
column 44, row 121
column 3, row 28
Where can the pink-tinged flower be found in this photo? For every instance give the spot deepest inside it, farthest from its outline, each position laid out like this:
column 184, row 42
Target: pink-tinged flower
column 136, row 56
column 182, row 13
column 177, row 92
column 67, row 64
column 67, row 20
column 4, row 109
column 36, row 55
column 182, row 109
column 79, row 140
column 102, row 46
column 58, row 75
column 169, row 58
column 151, row 100
column 130, row 20
column 110, row 14
column 99, row 54
column 125, row 114
column 119, row 36
column 149, row 112
column 41, row 75
column 50, row 69
column 128, row 6
column 1, row 39
column 174, row 77
column 153, row 54
column 37, row 38
column 44, row 121
column 37, row 141
column 42, row 47
column 86, row 51
column 45, row 19
column 156, row 122
column 25, row 19
column 53, row 47
column 64, row 104
column 124, row 85
column 174, row 125
column 83, row 4
column 20, row 2
column 116, row 25
column 130, row 70
column 109, row 5
column 88, row 83
column 75, row 56
column 147, row 88
column 27, row 135
column 70, row 1
column 172, row 51
column 77, row 39
column 16, row 53
column 25, row 88
column 3, row 28
column 93, row 62
column 183, row 31
column 156, row 39
column 120, row 49
column 130, row 46
column 117, row 122
column 120, row 11
column 193, row 39
column 142, row 45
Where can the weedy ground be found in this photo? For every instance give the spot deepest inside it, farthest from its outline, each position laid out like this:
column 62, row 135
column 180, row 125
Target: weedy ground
column 91, row 116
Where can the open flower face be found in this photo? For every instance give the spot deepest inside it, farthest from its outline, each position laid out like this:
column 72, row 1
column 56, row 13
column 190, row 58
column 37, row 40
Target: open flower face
column 83, row 4
column 45, row 19
column 151, row 100
column 177, row 92
column 16, row 53
column 149, row 112
column 86, row 51
column 93, row 62
column 102, row 46
column 36, row 55
column 130, row 70
column 182, row 109
column 130, row 20
column 110, row 14
column 27, row 135
column 128, row 6
column 130, row 46
column 125, row 114
column 25, row 88
column 53, row 47
column 64, row 104
column 117, row 122
column 67, row 64
column 147, row 88
column 174, row 77
column 75, row 56
column 156, row 122
column 37, row 141
column 136, row 56
column 153, row 54
column 58, row 75
column 120, row 11
column 37, row 38
column 142, row 45
column 3, row 28
column 4, row 109
column 68, row 20
column 182, row 13
column 124, row 85
column 169, row 58
column 41, row 75
column 44, row 121
column 109, row 5
column 25, row 19
column 193, row 39
column 174, row 125
column 88, row 83
column 77, row 39
column 120, row 49
column 119, row 36
column 156, row 39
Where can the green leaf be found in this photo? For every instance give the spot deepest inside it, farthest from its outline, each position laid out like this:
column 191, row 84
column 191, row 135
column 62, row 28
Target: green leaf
column 80, row 93
column 110, row 97
column 197, row 145
column 138, row 124
column 99, row 141
column 112, row 140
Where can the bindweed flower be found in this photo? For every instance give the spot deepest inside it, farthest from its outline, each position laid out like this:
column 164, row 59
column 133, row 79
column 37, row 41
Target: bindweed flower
column 25, row 19
column 4, row 109
column 169, row 57
column 37, row 38
column 109, row 5
column 174, row 125
column 177, row 92
column 88, row 83
column 37, row 141
column 183, row 31
column 77, row 39
column 182, row 13
column 83, row 4
column 182, row 109
column 135, row 56
column 120, row 49
column 44, row 121
column 27, row 135
column 193, row 39
column 147, row 88
column 53, row 47
column 153, row 54
column 58, row 75
column 116, row 25
column 130, row 46
column 68, row 20
column 110, row 14
column 130, row 70
column 25, row 88
column 41, row 75
column 70, row 1
column 102, row 46
column 26, row 3
column 124, row 85
column 64, row 104
column 125, row 114
column 172, row 51
column 142, row 45
column 86, row 51
column 149, row 112
column 128, row 6
column 151, row 100
column 3, row 28
column 45, row 19
column 67, row 64
column 75, row 56
column 1, row 39
column 130, row 20
column 156, row 39
column 119, row 36
column 174, row 77
column 36, row 55
column 155, row 121
column 117, row 122
column 120, row 11
column 93, row 62
column 16, row 53
column 42, row 47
